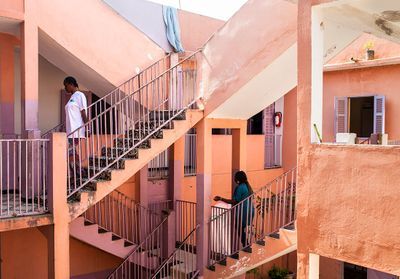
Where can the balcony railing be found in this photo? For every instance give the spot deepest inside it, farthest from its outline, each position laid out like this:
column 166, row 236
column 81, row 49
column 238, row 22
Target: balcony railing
column 190, row 155
column 23, row 177
column 273, row 151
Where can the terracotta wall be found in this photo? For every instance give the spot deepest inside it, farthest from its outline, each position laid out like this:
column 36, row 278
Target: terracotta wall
column 85, row 259
column 23, row 254
column 12, row 6
column 289, row 141
column 362, row 82
column 353, row 194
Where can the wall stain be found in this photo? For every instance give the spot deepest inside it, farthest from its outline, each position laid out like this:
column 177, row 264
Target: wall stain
column 393, row 16
column 382, row 24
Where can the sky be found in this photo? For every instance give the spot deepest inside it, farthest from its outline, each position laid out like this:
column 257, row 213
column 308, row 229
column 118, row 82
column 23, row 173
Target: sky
column 221, row 9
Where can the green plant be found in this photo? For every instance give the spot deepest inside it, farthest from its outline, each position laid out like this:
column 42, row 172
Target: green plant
column 369, row 45
column 277, row 273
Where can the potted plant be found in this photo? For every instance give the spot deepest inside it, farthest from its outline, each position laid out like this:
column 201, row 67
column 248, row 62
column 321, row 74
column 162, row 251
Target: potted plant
column 280, row 273
column 370, row 52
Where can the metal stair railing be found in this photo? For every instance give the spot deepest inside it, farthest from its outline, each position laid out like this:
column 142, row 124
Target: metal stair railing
column 133, row 120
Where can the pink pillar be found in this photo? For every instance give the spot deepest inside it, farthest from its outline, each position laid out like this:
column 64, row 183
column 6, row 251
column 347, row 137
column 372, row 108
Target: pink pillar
column 203, row 191
column 239, row 150
column 142, row 180
column 30, row 73
column 176, row 160
column 303, row 128
column 58, row 239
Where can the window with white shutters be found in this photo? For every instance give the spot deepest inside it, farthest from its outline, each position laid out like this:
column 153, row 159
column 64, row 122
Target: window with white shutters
column 341, row 115
column 379, row 114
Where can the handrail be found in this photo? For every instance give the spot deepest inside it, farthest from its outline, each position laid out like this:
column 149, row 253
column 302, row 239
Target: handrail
column 153, row 238
column 138, row 75
column 185, row 247
column 137, row 91
column 262, row 213
column 132, row 121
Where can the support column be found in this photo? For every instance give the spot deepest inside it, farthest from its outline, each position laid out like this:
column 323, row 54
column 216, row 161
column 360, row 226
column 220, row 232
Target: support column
column 58, row 240
column 141, row 180
column 203, row 191
column 176, row 158
column 317, row 63
column 239, row 150
column 29, row 74
column 176, row 168
column 313, row 269
column 7, row 98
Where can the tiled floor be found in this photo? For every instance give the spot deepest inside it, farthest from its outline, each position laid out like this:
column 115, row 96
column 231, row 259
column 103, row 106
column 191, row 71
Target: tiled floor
column 13, row 205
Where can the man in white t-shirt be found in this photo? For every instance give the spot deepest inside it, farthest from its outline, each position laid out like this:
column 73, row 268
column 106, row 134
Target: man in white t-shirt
column 75, row 117
column 75, row 109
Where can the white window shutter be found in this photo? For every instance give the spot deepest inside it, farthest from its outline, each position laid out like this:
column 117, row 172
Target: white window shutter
column 379, row 114
column 341, row 115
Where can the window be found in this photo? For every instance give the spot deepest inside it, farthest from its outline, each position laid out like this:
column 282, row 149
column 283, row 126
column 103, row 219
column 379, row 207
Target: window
column 360, row 115
column 190, row 153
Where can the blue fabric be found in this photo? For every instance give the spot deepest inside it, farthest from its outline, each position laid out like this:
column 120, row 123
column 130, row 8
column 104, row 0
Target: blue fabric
column 242, row 192
column 172, row 28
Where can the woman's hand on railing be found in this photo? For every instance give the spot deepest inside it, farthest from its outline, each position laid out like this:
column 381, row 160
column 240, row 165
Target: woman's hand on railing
column 217, row 198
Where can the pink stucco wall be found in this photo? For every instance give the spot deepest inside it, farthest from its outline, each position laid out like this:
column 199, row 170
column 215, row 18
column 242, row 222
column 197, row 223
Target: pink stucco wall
column 114, row 52
column 12, row 8
column 348, row 205
column 196, row 29
column 363, row 82
column 231, row 56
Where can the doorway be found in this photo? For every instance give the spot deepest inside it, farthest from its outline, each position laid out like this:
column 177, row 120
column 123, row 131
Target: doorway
column 361, row 116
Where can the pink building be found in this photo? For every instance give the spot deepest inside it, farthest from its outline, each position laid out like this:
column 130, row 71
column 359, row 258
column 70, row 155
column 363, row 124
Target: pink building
column 283, row 91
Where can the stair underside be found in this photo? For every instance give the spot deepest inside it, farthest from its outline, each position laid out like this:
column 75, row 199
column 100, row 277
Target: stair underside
column 119, row 176
column 273, row 249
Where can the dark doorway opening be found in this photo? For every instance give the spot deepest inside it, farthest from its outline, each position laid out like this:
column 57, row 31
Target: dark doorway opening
column 352, row 271
column 362, row 116
column 255, row 124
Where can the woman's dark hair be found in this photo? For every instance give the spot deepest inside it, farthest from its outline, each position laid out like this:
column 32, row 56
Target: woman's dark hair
column 241, row 177
column 71, row 80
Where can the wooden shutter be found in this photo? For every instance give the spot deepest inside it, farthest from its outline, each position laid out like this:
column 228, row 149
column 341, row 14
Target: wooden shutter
column 379, row 114
column 341, row 115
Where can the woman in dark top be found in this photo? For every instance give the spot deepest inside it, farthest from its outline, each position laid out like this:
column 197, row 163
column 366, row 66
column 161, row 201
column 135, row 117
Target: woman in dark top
column 244, row 209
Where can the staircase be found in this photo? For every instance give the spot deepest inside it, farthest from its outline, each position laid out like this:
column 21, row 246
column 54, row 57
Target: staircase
column 181, row 264
column 242, row 238
column 146, row 257
column 127, row 134
column 116, row 224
